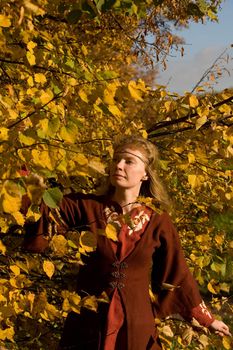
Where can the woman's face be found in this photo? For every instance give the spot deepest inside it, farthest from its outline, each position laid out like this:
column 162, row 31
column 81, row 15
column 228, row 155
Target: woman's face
column 128, row 168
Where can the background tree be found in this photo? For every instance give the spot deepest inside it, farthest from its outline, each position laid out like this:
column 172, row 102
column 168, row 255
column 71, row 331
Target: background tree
column 71, row 81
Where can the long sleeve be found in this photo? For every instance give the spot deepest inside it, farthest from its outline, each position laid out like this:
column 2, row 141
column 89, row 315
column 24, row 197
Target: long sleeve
column 176, row 289
column 202, row 315
column 37, row 234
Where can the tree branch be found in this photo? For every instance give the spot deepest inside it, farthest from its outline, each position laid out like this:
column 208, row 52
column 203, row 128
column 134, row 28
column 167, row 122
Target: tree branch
column 164, row 124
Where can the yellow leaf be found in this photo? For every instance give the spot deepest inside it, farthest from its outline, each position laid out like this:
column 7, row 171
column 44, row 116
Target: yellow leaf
column 226, row 109
column 31, row 299
column 66, row 305
column 4, row 134
column 178, row 150
column 40, row 78
column 74, row 298
column 46, row 96
column 115, row 110
column 2, row 248
column 219, row 268
column 69, row 133
column 32, row 91
column 204, row 340
column 226, row 342
column 225, row 287
column 193, row 101
column 71, row 301
column 97, row 165
column 7, row 333
column 153, row 297
column 211, row 288
column 163, row 93
column 19, row 218
column 31, row 45
column 168, row 106
column 82, row 94
column 111, row 232
column 144, row 133
column 88, row 241
column 59, row 245
column 33, row 216
column 192, row 179
column 188, row 335
column 42, row 159
column 109, row 93
column 13, row 114
column 22, row 266
column 53, row 312
column 135, row 92
column 48, row 268
column 219, row 239
column 34, row 8
column 5, row 21
column 10, row 203
column 84, row 50
column 90, row 302
column 103, row 298
column 15, row 269
column 26, row 140
column 3, row 225
column 203, row 111
column 191, row 158
column 72, row 81
column 3, row 299
column 200, row 121
column 31, row 58
column 166, row 330
column 81, row 159
column 43, row 127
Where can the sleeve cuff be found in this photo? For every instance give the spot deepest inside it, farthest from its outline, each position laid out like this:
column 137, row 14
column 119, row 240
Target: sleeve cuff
column 202, row 315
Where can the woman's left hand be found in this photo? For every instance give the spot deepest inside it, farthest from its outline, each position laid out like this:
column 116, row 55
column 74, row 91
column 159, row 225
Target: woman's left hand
column 220, row 328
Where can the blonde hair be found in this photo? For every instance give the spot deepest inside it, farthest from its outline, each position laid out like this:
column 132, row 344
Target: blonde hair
column 152, row 187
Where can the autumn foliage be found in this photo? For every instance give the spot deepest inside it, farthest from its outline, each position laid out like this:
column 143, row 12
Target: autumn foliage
column 70, row 84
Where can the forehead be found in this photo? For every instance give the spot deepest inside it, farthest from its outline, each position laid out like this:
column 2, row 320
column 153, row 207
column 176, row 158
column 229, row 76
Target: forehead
column 135, row 153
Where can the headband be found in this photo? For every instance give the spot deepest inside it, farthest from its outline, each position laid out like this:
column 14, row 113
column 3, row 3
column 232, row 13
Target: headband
column 135, row 155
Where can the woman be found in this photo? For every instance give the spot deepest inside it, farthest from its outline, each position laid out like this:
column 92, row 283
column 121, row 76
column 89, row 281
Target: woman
column 147, row 252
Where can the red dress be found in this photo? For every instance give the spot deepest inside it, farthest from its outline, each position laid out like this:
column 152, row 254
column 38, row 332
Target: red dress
column 147, row 251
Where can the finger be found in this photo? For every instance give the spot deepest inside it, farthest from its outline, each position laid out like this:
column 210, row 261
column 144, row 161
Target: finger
column 219, row 333
column 226, row 330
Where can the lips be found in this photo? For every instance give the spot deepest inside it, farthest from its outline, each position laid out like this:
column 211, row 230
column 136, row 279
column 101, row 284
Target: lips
column 118, row 176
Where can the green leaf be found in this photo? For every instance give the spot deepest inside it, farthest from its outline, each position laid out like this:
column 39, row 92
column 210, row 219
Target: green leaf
column 99, row 4
column 52, row 197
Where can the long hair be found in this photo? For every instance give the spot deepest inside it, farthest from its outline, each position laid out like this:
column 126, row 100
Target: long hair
column 152, row 187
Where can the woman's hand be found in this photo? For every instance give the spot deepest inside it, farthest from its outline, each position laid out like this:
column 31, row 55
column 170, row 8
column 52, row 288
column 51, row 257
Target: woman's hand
column 220, row 328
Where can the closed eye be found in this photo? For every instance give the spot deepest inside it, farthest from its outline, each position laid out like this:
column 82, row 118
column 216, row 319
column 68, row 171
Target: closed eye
column 129, row 161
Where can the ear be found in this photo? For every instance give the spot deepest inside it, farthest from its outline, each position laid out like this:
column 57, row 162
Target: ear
column 145, row 177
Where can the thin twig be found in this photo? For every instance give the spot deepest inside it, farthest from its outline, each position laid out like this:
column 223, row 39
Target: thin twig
column 208, row 70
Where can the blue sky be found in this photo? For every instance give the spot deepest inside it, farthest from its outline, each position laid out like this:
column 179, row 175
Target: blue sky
column 204, row 43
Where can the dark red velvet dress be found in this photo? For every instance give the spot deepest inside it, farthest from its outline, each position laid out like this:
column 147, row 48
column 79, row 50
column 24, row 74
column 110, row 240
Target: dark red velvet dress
column 153, row 256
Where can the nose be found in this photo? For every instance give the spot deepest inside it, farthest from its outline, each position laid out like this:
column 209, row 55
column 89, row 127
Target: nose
column 118, row 164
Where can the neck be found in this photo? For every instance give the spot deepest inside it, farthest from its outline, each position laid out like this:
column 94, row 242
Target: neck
column 126, row 198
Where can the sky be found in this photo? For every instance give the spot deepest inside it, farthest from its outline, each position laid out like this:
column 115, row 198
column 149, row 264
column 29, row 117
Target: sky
column 204, row 43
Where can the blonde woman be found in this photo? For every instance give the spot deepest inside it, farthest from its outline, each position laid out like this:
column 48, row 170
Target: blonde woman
column 147, row 252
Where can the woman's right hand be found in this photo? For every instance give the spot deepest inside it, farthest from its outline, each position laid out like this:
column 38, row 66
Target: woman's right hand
column 220, row 328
